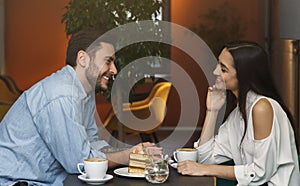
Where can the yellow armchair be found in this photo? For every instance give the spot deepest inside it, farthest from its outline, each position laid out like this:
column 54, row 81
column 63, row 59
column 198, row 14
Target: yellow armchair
column 153, row 105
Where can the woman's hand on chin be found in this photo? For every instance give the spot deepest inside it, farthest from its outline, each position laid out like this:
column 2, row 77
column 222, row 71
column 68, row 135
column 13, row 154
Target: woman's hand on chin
column 215, row 98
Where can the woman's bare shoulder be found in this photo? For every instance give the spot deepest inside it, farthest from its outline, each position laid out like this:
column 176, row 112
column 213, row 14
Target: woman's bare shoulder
column 262, row 116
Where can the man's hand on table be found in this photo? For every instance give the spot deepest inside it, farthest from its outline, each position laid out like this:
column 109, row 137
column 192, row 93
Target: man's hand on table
column 122, row 157
column 147, row 147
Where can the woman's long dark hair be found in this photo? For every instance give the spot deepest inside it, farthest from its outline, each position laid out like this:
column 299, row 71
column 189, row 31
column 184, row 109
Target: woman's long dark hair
column 253, row 73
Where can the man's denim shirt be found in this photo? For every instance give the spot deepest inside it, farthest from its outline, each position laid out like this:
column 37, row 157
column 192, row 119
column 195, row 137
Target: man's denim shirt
column 48, row 130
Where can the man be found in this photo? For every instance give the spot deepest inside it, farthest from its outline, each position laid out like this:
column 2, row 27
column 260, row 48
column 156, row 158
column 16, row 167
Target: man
column 51, row 127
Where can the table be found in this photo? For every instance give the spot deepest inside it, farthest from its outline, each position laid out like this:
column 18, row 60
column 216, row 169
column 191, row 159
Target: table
column 173, row 180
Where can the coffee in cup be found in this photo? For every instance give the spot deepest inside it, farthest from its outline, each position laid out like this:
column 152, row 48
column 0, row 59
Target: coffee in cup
column 183, row 154
column 94, row 168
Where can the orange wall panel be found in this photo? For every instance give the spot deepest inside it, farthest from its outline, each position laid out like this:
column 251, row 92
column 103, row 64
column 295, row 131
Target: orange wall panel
column 35, row 39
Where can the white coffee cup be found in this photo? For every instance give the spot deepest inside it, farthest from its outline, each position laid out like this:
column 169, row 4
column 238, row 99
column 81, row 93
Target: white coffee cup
column 94, row 168
column 183, row 154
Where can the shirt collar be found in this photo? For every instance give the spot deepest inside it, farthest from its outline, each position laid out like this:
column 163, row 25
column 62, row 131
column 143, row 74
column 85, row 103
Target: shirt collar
column 77, row 88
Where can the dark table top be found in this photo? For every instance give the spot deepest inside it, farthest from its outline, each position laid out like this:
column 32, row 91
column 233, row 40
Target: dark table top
column 173, row 180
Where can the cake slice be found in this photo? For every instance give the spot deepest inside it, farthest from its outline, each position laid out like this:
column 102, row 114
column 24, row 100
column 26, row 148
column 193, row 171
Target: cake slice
column 137, row 163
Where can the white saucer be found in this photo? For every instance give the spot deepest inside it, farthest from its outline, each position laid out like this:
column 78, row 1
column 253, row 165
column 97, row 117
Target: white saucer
column 124, row 172
column 174, row 165
column 95, row 181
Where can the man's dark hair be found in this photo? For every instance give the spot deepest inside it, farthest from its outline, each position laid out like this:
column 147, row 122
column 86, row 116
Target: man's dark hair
column 86, row 39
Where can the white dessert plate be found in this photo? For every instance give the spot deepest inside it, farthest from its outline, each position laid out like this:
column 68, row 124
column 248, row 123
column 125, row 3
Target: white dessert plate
column 124, row 172
column 95, row 181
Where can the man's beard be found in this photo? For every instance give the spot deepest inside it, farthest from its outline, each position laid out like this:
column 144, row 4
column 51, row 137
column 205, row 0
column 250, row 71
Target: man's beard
column 95, row 83
column 98, row 87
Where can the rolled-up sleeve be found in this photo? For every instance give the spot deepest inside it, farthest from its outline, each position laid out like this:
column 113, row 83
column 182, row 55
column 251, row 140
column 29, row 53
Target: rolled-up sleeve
column 244, row 174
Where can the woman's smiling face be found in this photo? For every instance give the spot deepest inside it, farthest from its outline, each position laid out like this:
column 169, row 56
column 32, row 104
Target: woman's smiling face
column 226, row 73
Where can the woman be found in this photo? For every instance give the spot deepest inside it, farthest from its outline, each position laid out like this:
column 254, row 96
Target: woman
column 257, row 132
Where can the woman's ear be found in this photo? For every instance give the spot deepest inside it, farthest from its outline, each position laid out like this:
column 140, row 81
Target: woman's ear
column 82, row 58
